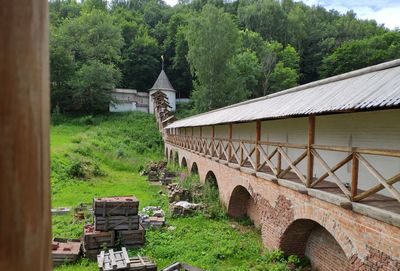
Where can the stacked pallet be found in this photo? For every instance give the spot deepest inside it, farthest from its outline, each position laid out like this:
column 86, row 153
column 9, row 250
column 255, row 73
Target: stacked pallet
column 95, row 241
column 119, row 260
column 116, row 220
column 65, row 251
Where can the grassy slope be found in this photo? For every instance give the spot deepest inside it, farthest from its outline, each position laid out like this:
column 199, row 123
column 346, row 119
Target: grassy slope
column 119, row 146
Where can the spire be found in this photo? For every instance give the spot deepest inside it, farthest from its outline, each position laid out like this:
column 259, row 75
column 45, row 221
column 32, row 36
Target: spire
column 162, row 82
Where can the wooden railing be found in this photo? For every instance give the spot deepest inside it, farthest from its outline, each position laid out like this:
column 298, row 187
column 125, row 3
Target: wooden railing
column 254, row 155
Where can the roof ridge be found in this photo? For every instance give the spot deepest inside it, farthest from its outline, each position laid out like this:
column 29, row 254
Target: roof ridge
column 335, row 78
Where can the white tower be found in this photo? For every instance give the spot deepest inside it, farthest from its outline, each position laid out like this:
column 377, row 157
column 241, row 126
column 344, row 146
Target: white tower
column 162, row 83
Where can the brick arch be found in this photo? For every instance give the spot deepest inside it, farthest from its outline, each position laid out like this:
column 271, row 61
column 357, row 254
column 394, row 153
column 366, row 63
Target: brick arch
column 242, row 204
column 307, row 237
column 211, row 179
column 194, row 169
column 183, row 162
column 175, row 158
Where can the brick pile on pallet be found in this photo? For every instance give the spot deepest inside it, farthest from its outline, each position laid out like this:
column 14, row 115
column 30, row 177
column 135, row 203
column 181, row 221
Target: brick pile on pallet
column 65, row 251
column 116, row 222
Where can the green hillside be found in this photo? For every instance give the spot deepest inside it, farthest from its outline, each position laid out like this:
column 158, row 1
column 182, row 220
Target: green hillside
column 101, row 156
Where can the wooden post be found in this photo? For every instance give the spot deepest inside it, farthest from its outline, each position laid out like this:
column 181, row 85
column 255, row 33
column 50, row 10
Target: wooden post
column 279, row 164
column 212, row 140
column 310, row 158
column 258, row 138
column 354, row 176
column 192, row 140
column 230, row 142
column 201, row 139
column 25, row 225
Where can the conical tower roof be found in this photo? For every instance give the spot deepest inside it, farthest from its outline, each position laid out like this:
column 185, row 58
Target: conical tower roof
column 162, row 82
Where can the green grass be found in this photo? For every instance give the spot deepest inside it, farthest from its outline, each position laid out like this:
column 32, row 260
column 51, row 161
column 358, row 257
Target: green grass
column 102, row 156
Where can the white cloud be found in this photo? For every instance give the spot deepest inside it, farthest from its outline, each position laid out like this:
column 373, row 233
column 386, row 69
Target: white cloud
column 384, row 11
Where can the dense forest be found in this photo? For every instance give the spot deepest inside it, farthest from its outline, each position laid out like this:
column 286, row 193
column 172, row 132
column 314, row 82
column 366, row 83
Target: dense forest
column 217, row 53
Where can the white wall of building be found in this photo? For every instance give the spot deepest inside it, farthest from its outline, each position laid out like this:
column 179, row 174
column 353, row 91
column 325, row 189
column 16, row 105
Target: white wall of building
column 171, row 95
column 378, row 129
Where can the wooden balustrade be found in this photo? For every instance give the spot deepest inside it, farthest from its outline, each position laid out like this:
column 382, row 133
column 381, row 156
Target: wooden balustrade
column 254, row 154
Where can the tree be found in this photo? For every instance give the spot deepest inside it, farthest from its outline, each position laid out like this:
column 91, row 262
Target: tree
column 91, row 86
column 213, row 40
column 266, row 17
column 247, row 70
column 78, row 47
column 141, row 63
column 357, row 54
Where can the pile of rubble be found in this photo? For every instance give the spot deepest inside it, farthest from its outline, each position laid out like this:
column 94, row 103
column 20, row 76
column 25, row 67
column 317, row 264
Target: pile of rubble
column 158, row 172
column 152, row 217
column 119, row 260
column 180, row 201
column 115, row 219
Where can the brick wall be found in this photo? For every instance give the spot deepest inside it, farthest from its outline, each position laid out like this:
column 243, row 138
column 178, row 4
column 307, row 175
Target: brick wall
column 324, row 252
column 332, row 237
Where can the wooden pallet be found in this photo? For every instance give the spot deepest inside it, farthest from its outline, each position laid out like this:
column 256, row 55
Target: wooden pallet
column 108, row 223
column 119, row 260
column 132, row 238
column 139, row 263
column 116, row 206
column 97, row 239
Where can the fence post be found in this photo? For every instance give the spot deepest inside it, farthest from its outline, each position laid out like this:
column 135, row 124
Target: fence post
column 310, row 157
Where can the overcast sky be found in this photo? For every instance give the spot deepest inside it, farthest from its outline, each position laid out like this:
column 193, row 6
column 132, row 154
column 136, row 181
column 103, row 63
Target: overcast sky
column 383, row 11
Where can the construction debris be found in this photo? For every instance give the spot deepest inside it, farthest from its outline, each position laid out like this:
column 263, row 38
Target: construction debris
column 181, row 266
column 184, row 208
column 60, row 210
column 119, row 260
column 167, row 177
column 116, row 213
column 178, row 193
column 152, row 217
column 95, row 241
column 115, row 218
column 154, row 166
column 132, row 238
column 65, row 250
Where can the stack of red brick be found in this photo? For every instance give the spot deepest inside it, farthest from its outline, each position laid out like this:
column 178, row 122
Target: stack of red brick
column 116, row 223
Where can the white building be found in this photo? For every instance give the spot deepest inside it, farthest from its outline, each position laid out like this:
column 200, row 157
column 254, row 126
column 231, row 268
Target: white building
column 162, row 83
column 126, row 100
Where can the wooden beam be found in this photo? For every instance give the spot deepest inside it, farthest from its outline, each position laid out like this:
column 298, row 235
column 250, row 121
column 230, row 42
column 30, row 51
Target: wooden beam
column 258, row 138
column 354, row 176
column 24, row 136
column 377, row 188
column 230, row 130
column 310, row 157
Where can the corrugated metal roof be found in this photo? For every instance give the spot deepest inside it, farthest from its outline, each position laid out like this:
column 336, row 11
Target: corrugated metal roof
column 375, row 87
column 162, row 82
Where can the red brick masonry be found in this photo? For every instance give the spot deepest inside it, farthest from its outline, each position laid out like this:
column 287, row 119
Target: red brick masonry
column 332, row 237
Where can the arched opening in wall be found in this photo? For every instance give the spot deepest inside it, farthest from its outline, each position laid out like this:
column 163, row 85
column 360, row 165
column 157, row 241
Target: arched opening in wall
column 242, row 205
column 171, row 157
column 306, row 237
column 194, row 169
column 166, row 153
column 184, row 163
column 176, row 158
column 211, row 179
